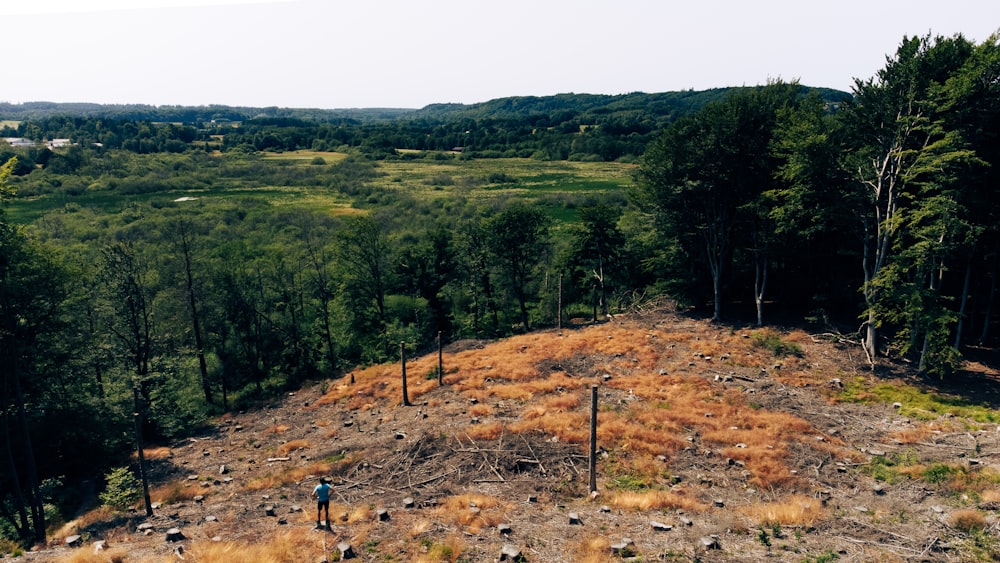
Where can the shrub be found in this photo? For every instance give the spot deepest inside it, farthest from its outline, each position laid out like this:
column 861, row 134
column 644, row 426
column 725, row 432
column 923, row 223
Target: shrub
column 776, row 345
column 121, row 489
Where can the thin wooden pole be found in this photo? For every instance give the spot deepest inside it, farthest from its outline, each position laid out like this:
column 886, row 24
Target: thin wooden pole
column 402, row 360
column 593, row 438
column 559, row 308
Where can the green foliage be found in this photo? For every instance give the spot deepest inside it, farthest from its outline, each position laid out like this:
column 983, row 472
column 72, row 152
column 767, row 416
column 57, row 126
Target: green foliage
column 773, row 342
column 121, row 489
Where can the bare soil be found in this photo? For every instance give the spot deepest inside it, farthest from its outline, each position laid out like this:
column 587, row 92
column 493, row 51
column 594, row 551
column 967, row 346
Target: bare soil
column 531, row 490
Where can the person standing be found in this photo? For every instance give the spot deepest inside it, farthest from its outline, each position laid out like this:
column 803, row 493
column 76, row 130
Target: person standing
column 322, row 495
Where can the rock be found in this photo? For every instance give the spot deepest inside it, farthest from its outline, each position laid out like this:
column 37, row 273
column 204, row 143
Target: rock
column 510, row 552
column 710, row 542
column 174, row 534
column 624, row 548
column 346, row 551
column 74, row 541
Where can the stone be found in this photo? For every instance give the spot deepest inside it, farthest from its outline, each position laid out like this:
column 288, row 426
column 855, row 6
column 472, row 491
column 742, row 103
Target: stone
column 624, row 549
column 510, row 552
column 346, row 551
column 710, row 542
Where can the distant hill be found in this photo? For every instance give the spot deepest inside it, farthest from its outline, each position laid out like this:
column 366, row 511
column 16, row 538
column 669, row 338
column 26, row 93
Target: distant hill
column 556, row 107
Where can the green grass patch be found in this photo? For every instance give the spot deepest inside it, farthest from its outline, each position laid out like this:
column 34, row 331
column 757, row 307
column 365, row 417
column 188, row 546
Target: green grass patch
column 917, row 403
column 773, row 342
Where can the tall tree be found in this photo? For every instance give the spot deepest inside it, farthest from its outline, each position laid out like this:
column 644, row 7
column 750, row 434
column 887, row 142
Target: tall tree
column 518, row 237
column 126, row 278
column 704, row 173
column 898, row 143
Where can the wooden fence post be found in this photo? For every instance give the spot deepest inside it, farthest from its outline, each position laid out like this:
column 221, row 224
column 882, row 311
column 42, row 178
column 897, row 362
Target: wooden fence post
column 402, row 361
column 593, row 438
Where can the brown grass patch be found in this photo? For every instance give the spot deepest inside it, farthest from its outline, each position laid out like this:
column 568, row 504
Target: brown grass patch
column 594, row 549
column 795, row 510
column 85, row 555
column 293, row 546
column 657, row 500
column 155, row 454
column 176, row 491
column 474, row 512
column 967, row 520
column 291, row 446
column 488, row 431
column 278, row 429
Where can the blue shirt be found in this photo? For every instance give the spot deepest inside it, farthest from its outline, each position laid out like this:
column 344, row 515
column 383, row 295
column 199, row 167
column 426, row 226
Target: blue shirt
column 322, row 491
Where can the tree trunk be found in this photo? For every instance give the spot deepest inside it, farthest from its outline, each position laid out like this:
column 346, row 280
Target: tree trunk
column 959, row 328
column 760, row 286
column 139, row 447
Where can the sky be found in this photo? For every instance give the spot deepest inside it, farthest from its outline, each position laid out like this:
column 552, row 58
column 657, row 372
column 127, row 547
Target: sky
column 336, row 54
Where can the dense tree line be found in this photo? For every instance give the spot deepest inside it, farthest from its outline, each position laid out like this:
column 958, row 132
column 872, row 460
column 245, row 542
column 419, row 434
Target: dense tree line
column 763, row 204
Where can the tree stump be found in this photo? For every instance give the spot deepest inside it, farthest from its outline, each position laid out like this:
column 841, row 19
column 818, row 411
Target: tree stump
column 74, row 541
column 174, row 534
column 346, row 551
column 510, row 552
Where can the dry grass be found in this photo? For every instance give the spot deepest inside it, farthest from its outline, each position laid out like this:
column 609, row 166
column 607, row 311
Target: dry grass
column 594, row 549
column 677, row 499
column 292, row 546
column 665, row 394
column 291, row 446
column 278, row 429
column 967, row 520
column 474, row 512
column 175, row 491
column 155, row 454
column 86, row 555
column 290, row 475
column 795, row 510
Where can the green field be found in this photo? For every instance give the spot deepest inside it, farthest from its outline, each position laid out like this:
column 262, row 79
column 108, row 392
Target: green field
column 559, row 187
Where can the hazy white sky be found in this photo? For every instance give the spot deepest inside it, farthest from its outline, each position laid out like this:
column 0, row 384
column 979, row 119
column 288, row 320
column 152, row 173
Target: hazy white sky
column 399, row 53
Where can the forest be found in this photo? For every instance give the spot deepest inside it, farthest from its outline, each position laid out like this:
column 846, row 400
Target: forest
column 169, row 265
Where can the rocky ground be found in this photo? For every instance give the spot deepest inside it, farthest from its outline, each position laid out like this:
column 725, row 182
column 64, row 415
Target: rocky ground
column 411, row 483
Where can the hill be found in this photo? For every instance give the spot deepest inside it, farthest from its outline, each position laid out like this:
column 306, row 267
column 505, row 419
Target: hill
column 510, row 108
column 715, row 443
